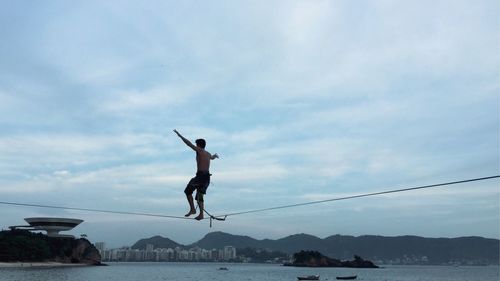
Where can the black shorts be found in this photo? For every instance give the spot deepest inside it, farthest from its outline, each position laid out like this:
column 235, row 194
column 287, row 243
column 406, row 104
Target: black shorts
column 199, row 183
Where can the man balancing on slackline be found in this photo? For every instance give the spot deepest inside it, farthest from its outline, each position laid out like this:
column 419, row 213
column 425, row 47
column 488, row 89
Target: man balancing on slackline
column 202, row 179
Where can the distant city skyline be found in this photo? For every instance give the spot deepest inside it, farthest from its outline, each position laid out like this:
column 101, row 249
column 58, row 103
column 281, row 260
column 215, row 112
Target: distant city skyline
column 302, row 100
column 127, row 254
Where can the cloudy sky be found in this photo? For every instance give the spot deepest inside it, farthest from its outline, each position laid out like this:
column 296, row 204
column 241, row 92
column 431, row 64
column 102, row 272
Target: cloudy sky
column 303, row 101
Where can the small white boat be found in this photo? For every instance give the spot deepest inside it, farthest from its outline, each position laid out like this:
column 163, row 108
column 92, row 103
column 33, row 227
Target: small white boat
column 309, row 277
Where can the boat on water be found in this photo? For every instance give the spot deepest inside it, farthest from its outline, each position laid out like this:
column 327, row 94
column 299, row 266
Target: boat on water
column 309, row 277
column 347, row 277
column 223, row 268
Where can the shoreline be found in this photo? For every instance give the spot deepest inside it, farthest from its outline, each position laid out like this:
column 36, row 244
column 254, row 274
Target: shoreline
column 38, row 264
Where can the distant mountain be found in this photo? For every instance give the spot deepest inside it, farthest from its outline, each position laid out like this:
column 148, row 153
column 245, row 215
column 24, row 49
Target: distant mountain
column 403, row 249
column 217, row 240
column 157, row 242
column 296, row 243
column 436, row 250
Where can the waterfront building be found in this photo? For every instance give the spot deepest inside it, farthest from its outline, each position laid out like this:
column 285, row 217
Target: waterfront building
column 100, row 246
column 229, row 253
column 51, row 225
column 214, row 253
column 221, row 254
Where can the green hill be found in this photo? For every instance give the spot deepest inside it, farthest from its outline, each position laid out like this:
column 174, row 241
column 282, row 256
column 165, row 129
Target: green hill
column 157, row 242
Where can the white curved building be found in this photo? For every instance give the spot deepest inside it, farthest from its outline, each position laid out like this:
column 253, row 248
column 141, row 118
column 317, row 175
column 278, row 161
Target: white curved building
column 53, row 225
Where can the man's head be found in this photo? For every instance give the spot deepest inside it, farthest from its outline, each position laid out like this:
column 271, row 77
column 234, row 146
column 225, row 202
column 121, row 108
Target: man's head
column 201, row 143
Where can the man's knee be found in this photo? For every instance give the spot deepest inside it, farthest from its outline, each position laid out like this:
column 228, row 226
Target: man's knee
column 199, row 197
column 188, row 191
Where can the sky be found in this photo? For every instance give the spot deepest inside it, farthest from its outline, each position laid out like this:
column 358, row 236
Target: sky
column 302, row 100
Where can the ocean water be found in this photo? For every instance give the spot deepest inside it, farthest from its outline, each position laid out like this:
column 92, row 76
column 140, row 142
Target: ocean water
column 243, row 272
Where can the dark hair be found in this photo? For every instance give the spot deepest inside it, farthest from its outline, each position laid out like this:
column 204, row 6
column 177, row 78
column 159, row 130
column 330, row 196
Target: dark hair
column 201, row 143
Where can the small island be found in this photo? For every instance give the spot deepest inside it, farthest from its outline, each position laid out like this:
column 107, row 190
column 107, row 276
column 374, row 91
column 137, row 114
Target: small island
column 23, row 246
column 316, row 259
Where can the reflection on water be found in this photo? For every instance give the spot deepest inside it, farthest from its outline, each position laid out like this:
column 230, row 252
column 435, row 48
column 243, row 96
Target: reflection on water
column 243, row 272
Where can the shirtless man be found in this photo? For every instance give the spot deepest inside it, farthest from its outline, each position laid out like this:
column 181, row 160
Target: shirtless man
column 202, row 179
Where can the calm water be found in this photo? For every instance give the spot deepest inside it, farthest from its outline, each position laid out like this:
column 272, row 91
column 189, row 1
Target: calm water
column 243, row 272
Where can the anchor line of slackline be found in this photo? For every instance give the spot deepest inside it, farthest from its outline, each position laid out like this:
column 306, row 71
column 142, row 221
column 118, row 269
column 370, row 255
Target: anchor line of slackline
column 93, row 210
column 224, row 216
column 362, row 195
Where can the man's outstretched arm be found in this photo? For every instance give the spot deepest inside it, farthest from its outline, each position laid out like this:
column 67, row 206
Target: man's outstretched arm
column 212, row 157
column 186, row 141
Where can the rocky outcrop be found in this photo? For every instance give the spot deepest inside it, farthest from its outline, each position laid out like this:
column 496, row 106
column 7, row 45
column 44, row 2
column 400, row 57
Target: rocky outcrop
column 24, row 246
column 316, row 259
column 80, row 251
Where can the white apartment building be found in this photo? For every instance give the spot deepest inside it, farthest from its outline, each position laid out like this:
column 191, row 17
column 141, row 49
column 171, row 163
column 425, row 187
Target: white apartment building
column 229, row 253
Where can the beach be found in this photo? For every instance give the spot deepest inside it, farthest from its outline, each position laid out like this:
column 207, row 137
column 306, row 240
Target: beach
column 39, row 264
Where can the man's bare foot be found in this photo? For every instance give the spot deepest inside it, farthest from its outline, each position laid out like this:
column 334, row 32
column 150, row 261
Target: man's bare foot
column 192, row 212
column 199, row 217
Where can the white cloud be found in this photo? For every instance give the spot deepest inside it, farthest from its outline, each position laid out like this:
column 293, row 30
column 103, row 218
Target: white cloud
column 146, row 200
column 123, row 102
column 252, row 136
column 251, row 173
column 7, row 101
column 56, row 149
column 62, row 173
column 34, row 186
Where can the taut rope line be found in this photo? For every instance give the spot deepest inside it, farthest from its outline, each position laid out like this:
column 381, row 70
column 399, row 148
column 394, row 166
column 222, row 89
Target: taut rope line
column 360, row 195
column 95, row 210
column 223, row 217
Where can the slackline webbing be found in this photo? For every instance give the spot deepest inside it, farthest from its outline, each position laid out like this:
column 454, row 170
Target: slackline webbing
column 362, row 195
column 224, row 216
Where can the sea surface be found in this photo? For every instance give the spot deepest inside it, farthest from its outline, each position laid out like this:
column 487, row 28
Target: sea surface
column 244, row 272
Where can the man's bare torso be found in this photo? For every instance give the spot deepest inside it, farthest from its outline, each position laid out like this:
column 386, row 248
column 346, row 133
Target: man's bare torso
column 203, row 160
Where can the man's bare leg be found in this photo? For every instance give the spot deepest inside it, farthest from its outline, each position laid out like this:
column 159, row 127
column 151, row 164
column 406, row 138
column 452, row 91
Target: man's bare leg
column 192, row 210
column 200, row 216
